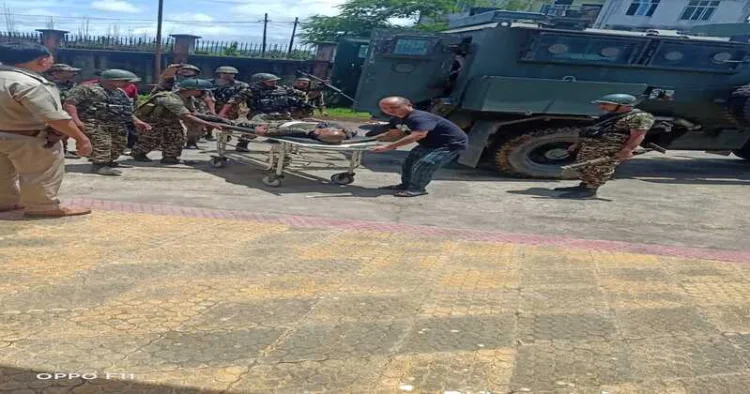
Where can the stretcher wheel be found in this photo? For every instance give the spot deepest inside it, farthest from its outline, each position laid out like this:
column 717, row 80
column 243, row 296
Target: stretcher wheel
column 272, row 180
column 218, row 162
column 343, row 178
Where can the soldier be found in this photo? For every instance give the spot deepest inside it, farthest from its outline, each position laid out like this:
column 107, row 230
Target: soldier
column 616, row 135
column 314, row 98
column 102, row 111
column 170, row 82
column 32, row 164
column 265, row 96
column 171, row 77
column 62, row 75
column 165, row 111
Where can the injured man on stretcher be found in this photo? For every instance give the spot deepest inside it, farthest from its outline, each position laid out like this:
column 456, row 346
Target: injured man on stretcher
column 318, row 131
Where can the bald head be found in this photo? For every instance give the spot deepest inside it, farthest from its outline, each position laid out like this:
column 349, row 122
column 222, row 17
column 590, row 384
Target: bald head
column 396, row 106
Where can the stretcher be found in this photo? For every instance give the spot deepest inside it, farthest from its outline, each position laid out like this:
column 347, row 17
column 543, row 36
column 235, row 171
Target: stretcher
column 285, row 151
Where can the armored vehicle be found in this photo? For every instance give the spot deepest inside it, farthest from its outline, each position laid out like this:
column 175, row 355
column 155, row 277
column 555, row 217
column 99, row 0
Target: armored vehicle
column 347, row 67
column 521, row 85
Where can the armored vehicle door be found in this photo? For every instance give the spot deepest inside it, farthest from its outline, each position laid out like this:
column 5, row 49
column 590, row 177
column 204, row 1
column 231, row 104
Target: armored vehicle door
column 414, row 65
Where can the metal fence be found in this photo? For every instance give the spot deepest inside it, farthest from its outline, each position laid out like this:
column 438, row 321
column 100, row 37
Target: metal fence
column 147, row 44
column 239, row 49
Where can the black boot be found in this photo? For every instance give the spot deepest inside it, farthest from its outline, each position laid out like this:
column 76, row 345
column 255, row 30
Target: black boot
column 191, row 144
column 242, row 146
column 209, row 137
column 141, row 157
column 170, row 160
column 582, row 193
column 580, row 186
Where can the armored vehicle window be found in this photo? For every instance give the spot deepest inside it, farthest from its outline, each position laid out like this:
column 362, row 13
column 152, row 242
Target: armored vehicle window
column 584, row 49
column 411, row 46
column 362, row 51
column 698, row 57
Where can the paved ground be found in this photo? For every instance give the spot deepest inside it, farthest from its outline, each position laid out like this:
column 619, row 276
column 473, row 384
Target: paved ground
column 356, row 296
column 686, row 199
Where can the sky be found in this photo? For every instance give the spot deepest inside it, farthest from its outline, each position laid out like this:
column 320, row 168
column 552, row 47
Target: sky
column 239, row 20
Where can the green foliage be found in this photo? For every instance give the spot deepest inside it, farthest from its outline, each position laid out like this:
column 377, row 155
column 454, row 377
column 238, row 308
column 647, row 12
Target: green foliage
column 231, row 50
column 359, row 17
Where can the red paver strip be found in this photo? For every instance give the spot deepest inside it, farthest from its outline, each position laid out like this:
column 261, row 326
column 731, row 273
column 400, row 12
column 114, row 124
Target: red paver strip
column 739, row 256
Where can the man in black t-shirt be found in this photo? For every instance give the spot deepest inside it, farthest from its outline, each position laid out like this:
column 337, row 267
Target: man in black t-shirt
column 439, row 141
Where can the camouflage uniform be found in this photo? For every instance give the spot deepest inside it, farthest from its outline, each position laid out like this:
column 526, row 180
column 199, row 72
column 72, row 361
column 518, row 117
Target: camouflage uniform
column 105, row 114
column 163, row 112
column 312, row 98
column 227, row 94
column 607, row 145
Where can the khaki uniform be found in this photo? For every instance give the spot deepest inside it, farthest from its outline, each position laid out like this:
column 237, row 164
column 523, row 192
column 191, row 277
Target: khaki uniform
column 27, row 102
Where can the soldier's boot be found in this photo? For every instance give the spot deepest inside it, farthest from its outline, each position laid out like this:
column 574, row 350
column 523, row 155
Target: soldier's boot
column 170, row 160
column 114, row 164
column 576, row 188
column 583, row 193
column 103, row 169
column 209, row 136
column 141, row 157
column 192, row 143
column 242, row 146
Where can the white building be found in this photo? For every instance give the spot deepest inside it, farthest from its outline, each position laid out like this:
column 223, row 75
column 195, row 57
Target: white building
column 670, row 14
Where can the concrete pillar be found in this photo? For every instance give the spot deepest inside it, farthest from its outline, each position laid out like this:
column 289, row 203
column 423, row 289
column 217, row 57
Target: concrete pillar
column 52, row 38
column 183, row 45
column 324, row 59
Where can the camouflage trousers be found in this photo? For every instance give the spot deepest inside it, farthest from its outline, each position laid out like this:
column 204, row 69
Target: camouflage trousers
column 597, row 175
column 194, row 131
column 169, row 136
column 108, row 142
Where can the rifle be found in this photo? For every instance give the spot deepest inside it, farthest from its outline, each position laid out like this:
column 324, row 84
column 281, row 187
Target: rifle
column 651, row 147
column 227, row 124
column 326, row 84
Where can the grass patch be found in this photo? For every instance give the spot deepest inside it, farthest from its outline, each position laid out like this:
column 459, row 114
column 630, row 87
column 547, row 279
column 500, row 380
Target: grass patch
column 348, row 114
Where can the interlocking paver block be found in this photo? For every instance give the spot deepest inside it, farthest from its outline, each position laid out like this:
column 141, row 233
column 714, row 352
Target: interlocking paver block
column 464, row 372
column 202, row 349
column 566, row 327
column 341, row 341
column 685, row 357
column 536, row 300
column 443, row 303
column 652, row 323
column 558, row 278
column 252, row 314
column 460, row 334
column 329, row 376
column 366, row 308
column 570, row 366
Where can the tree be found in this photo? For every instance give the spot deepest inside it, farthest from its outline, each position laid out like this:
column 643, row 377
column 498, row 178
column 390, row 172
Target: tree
column 359, row 17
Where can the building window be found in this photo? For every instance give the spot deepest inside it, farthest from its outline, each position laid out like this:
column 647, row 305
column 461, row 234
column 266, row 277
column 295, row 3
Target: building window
column 642, row 7
column 701, row 10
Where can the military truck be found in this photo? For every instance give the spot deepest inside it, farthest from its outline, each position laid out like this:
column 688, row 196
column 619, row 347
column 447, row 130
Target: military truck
column 521, row 85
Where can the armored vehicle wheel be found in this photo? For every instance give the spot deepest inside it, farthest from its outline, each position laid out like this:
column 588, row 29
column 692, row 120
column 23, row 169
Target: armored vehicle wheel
column 538, row 154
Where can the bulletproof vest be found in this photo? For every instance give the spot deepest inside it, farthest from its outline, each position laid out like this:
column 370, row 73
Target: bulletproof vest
column 108, row 106
column 606, row 125
column 273, row 100
column 149, row 109
column 223, row 94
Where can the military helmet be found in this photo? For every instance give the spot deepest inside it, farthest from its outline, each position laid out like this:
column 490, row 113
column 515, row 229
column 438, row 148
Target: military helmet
column 263, row 77
column 118, row 75
column 191, row 68
column 227, row 70
column 304, row 79
column 196, row 84
column 63, row 67
column 617, row 99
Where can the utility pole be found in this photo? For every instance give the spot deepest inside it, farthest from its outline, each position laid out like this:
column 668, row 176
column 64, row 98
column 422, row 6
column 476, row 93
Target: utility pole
column 265, row 28
column 157, row 57
column 294, row 31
